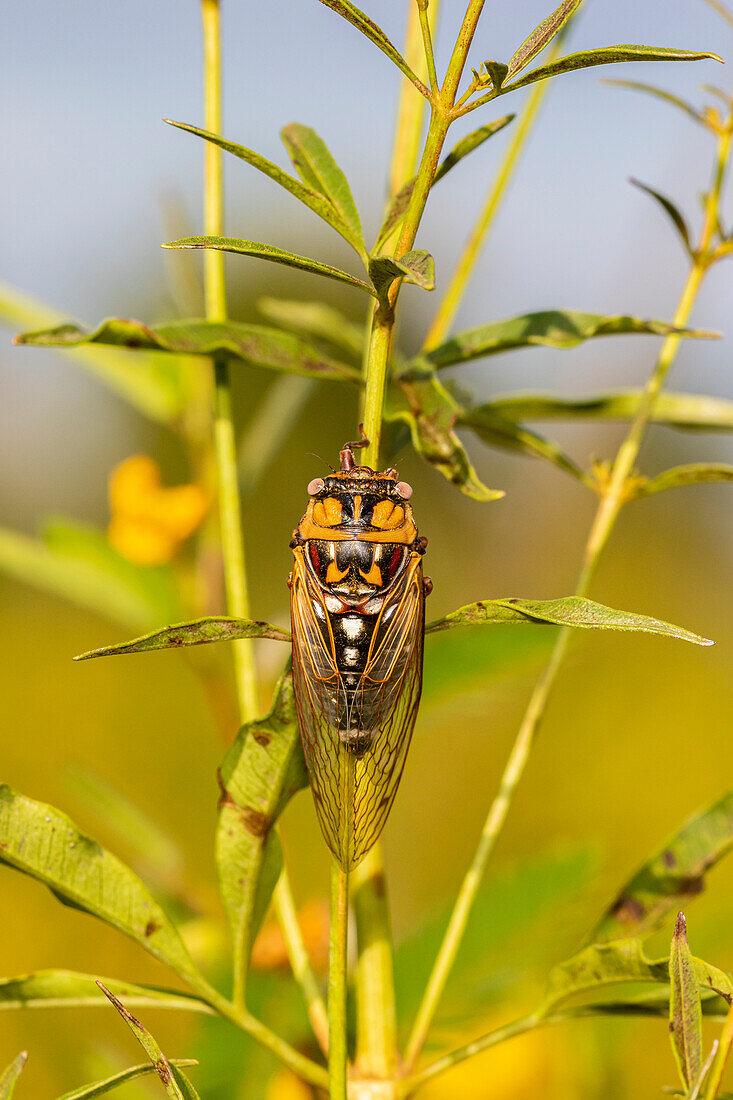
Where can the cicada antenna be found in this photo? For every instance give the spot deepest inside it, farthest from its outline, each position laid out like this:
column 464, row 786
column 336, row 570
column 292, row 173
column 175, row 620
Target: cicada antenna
column 346, row 455
column 312, row 454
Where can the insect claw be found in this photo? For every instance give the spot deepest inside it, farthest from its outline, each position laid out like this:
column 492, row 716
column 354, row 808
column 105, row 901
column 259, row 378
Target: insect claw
column 427, row 585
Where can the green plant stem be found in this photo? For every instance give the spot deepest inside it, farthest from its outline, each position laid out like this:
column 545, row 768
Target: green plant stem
column 376, row 1027
column 226, row 464
column 337, row 964
column 606, row 515
column 427, row 38
column 721, row 1057
column 299, row 960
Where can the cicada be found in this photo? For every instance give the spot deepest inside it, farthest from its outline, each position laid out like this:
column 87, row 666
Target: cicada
column 358, row 617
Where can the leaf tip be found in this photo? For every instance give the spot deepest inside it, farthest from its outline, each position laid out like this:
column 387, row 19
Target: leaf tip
column 680, row 926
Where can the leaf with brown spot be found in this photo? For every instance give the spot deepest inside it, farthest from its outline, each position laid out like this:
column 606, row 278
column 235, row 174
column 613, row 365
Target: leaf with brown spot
column 671, row 876
column 213, row 628
column 259, row 774
column 685, row 1012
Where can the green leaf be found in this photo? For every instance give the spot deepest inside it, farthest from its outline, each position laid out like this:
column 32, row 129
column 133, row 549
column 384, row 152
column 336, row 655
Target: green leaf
column 318, row 170
column 69, row 989
column 395, row 213
column 254, row 344
column 607, row 55
column 550, row 328
column 541, row 37
column 685, row 1013
column 496, row 431
column 671, row 876
column 175, row 1083
column 78, row 564
column 430, row 413
column 45, row 844
column 9, row 1076
column 375, row 34
column 212, row 628
column 678, row 410
column 153, row 384
column 99, row 1088
column 317, row 320
column 416, row 267
column 573, row 611
column 274, row 255
column 676, row 217
column 313, row 199
column 472, row 141
column 261, row 771
column 608, row 964
column 696, row 473
column 659, row 93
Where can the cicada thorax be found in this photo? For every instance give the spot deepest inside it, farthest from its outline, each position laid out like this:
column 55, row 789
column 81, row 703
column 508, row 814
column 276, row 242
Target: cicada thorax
column 357, row 598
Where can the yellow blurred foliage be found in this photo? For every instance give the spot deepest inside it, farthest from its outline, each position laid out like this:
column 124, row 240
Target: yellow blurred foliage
column 284, row 1085
column 149, row 522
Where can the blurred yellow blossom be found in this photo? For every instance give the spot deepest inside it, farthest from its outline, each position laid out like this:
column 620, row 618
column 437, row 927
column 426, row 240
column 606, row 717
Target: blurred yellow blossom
column 284, row 1085
column 270, row 950
column 149, row 522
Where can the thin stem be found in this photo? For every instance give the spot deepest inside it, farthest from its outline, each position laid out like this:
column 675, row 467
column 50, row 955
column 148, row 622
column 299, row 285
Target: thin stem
column 300, row 962
column 376, row 1028
column 606, row 515
column 721, row 1057
column 226, row 464
column 427, row 37
column 337, row 967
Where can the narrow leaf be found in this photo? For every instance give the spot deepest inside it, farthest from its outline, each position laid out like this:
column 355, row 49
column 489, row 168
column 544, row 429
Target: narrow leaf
column 550, row 328
column 212, row 628
column 696, row 473
column 318, row 170
column 685, row 1014
column 674, row 214
column 719, row 1059
column 100, row 1088
column 274, row 255
column 541, row 37
column 375, row 34
column 608, row 964
column 671, row 876
column 317, row 320
column 472, row 141
column 416, row 267
column 572, row 611
column 254, row 344
column 678, row 410
column 659, row 93
column 607, row 55
column 313, row 199
column 170, row 1079
column 78, row 564
column 395, row 213
column 9, row 1076
column 496, row 431
column 722, row 10
column 69, row 989
column 45, row 844
column 261, row 771
column 431, row 413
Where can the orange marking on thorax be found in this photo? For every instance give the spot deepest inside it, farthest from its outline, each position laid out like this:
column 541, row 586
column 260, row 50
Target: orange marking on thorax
column 387, row 515
column 327, row 513
column 374, row 576
column 333, row 574
column 357, row 507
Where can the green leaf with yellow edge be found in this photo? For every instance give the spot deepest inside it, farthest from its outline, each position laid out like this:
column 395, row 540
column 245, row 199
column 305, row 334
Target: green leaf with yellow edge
column 275, row 255
column 44, row 843
column 550, row 328
column 608, row 964
column 678, row 410
column 374, row 33
column 257, row 345
column 153, row 384
column 109, row 1084
column 317, row 168
column 212, row 628
column 470, row 142
column 316, row 320
column 671, row 876
column 685, row 1013
column 696, row 473
column 313, row 199
column 416, row 267
column 430, row 413
column 496, row 431
column 575, row 611
column 77, row 563
column 541, row 37
column 9, row 1076
column 70, row 989
column 174, row 1081
column 260, row 773
column 607, row 55
column 672, row 212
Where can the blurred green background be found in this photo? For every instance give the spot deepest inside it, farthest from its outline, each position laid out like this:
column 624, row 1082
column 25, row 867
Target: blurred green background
column 638, row 732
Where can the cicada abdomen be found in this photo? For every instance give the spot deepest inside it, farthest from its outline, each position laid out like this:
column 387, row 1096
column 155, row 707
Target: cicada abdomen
column 357, row 607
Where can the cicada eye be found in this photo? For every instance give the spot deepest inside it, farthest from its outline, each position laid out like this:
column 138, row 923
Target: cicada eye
column 403, row 490
column 315, row 486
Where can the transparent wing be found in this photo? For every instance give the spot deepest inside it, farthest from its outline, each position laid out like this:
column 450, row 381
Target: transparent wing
column 389, row 691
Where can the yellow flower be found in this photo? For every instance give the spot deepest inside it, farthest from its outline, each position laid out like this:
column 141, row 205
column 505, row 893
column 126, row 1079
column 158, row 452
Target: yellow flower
column 149, row 522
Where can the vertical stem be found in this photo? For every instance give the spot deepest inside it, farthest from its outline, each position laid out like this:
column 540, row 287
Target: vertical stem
column 721, row 1057
column 337, row 969
column 376, row 1028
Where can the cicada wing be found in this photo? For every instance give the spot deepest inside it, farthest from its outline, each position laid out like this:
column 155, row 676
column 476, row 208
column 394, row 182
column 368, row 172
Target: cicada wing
column 392, row 682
